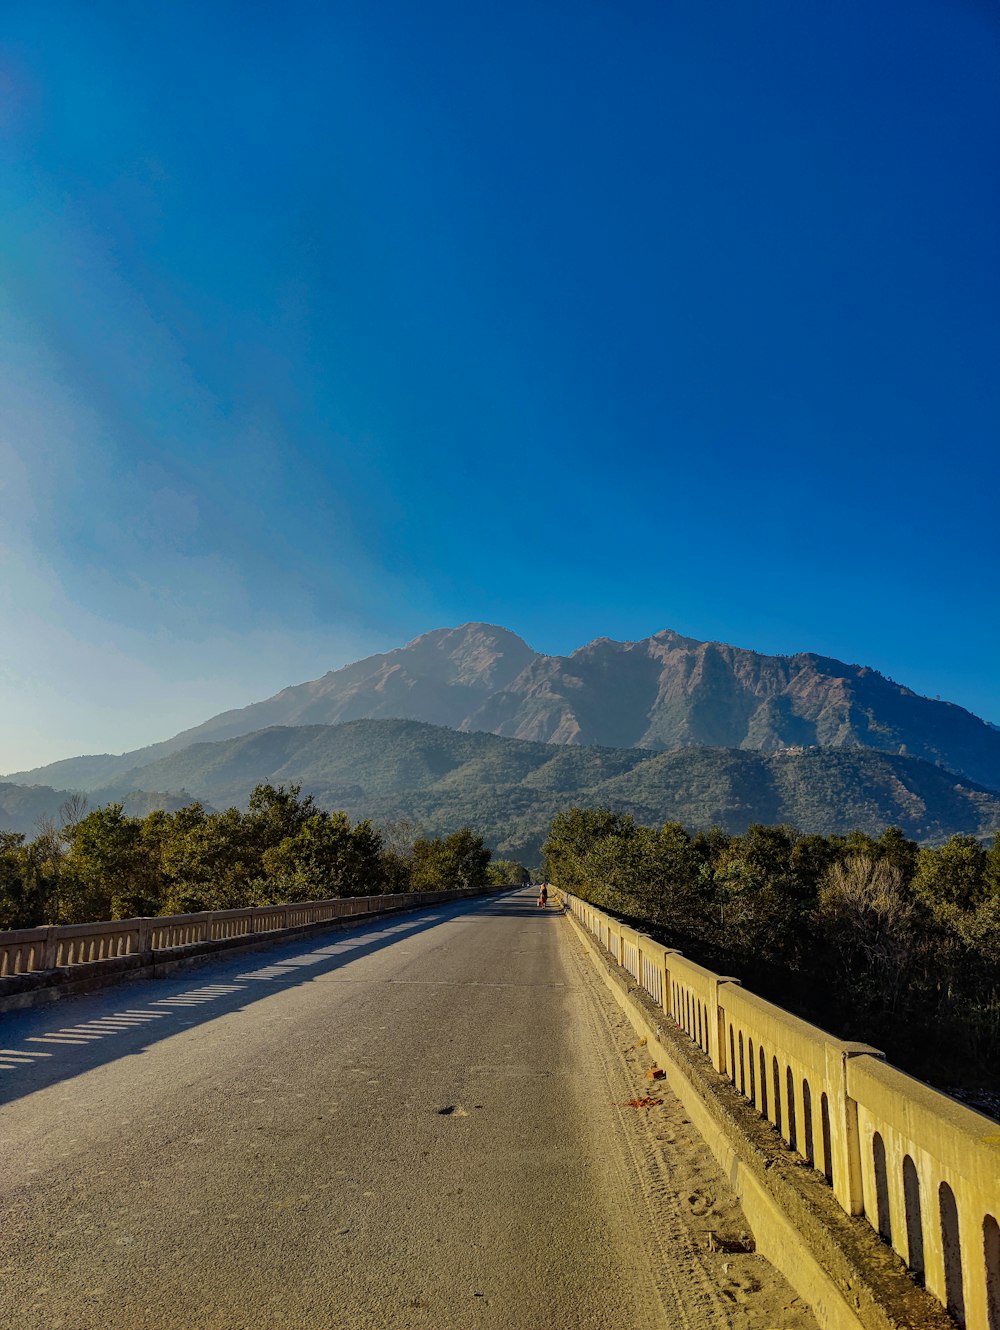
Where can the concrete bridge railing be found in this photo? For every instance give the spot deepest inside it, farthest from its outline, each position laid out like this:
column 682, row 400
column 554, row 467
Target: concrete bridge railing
column 25, row 950
column 923, row 1169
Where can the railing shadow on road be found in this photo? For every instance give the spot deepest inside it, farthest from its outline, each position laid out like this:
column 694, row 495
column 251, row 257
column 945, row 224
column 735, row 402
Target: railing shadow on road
column 45, row 1046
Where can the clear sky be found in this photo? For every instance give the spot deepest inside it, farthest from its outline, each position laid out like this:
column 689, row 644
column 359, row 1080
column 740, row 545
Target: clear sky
column 325, row 324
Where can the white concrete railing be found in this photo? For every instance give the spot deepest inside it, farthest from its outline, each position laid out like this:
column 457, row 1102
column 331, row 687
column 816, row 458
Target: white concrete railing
column 23, row 950
column 923, row 1169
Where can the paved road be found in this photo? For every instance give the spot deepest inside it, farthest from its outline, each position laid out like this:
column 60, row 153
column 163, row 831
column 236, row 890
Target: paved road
column 409, row 1125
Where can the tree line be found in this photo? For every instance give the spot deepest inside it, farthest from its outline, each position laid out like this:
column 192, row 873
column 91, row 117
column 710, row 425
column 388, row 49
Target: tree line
column 875, row 939
column 104, row 864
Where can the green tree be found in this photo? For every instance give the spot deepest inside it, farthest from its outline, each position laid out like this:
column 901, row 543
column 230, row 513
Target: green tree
column 809, row 859
column 685, row 884
column 573, row 835
column 112, row 874
column 276, row 813
column 760, row 908
column 209, row 861
column 894, row 847
column 46, row 884
column 617, row 871
column 17, row 909
column 507, row 873
column 456, row 861
column 991, row 870
column 326, row 857
column 953, row 877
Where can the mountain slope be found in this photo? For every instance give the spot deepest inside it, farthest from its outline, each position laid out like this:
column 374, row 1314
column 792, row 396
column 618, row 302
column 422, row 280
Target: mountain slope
column 669, row 691
column 510, row 789
column 666, row 692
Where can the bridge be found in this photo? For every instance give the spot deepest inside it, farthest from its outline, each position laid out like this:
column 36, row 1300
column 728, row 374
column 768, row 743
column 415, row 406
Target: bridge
column 451, row 1115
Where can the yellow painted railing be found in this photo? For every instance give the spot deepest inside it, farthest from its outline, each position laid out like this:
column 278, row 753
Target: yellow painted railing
column 923, row 1169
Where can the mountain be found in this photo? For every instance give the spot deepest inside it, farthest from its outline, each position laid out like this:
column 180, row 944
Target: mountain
column 665, row 692
column 439, row 678
column 510, row 789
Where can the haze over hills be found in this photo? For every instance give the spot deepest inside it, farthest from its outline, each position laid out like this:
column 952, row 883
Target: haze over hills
column 665, row 692
column 26, row 808
column 510, row 789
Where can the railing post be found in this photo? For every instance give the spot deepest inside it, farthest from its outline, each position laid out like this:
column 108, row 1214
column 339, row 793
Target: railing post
column 51, row 947
column 668, row 995
column 845, row 1135
column 718, row 1045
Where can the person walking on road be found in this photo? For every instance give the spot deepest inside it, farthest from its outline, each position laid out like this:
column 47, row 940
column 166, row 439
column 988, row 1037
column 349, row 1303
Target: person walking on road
column 543, row 896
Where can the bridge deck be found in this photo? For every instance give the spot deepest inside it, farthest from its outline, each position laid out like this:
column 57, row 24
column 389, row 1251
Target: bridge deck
column 420, row 1123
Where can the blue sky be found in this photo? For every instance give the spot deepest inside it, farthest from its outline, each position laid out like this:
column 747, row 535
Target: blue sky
column 325, row 325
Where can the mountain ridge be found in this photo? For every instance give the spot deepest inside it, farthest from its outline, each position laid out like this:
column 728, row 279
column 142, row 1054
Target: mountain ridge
column 663, row 692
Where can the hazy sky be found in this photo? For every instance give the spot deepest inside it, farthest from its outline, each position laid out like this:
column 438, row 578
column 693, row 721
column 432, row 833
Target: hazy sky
column 327, row 324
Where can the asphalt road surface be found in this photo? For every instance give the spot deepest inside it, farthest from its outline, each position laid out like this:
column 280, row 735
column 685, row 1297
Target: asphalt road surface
column 417, row 1123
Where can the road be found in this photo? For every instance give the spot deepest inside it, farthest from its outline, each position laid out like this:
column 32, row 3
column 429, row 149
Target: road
column 418, row 1123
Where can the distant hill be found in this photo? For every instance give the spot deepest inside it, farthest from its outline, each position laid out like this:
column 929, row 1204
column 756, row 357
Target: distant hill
column 664, row 693
column 510, row 789
column 24, row 807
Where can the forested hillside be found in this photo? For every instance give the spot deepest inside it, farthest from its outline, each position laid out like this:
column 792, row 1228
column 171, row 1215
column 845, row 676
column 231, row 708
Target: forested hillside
column 511, row 789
